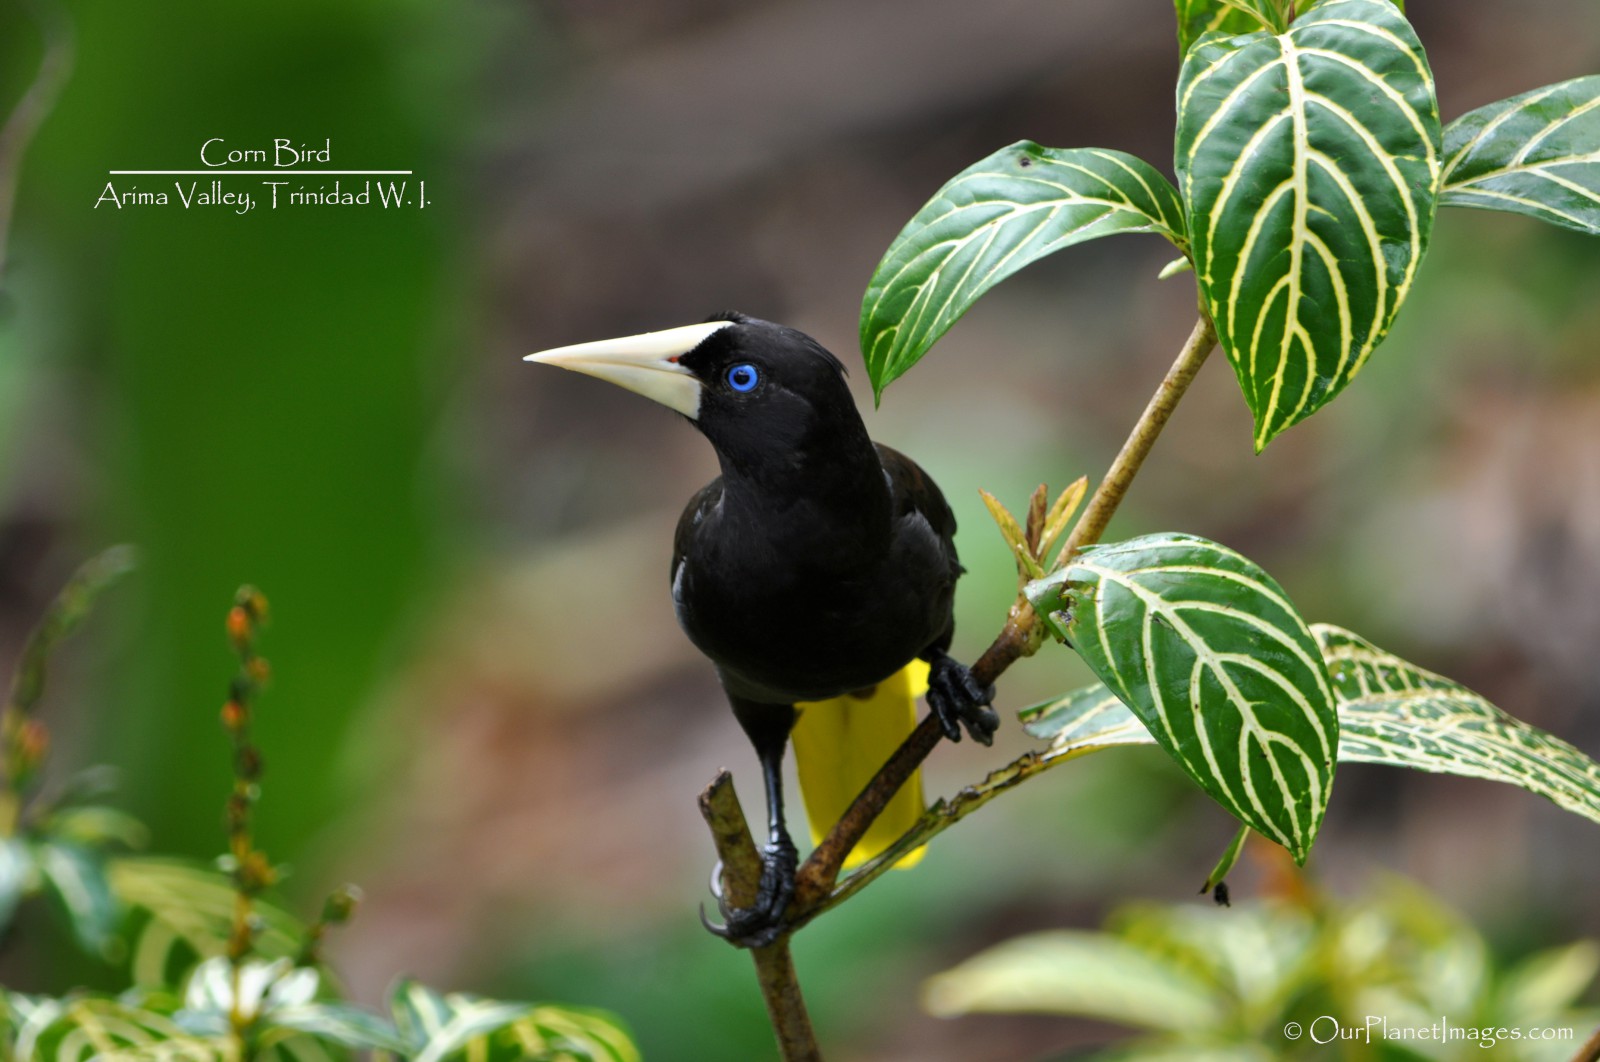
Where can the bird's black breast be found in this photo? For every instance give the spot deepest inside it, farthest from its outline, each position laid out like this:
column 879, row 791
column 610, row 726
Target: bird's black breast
column 804, row 598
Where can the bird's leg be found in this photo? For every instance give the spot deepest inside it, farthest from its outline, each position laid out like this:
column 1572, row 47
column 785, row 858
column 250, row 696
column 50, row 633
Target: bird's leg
column 768, row 727
column 957, row 699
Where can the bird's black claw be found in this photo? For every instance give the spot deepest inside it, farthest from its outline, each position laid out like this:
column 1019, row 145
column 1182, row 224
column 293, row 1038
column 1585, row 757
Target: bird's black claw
column 762, row 922
column 958, row 700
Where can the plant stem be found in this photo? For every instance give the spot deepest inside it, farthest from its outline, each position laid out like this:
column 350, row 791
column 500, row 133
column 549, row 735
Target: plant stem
column 1021, row 636
column 31, row 110
column 741, row 876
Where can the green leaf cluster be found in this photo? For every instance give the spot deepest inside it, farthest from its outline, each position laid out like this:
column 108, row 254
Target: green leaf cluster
column 1200, row 983
column 215, row 971
column 1389, row 712
column 1310, row 160
column 289, row 1019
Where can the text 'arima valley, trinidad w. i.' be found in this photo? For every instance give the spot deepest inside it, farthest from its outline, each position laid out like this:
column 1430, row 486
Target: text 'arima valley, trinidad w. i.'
column 225, row 180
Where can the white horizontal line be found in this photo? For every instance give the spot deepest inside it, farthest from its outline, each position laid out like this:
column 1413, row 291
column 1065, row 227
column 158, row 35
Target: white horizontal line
column 320, row 173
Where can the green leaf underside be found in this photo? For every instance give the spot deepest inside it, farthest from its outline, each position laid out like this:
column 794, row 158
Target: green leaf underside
column 1087, row 719
column 1074, row 972
column 1214, row 660
column 1196, row 18
column 1309, row 163
column 1400, row 714
column 1010, row 209
column 1536, row 154
column 1390, row 712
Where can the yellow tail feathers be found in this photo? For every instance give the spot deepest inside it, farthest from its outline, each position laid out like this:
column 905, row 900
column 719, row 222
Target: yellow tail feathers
column 839, row 745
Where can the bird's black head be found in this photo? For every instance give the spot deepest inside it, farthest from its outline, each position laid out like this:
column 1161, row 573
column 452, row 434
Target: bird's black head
column 768, row 392
column 766, row 396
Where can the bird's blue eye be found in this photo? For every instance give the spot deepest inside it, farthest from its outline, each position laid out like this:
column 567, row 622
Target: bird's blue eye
column 743, row 378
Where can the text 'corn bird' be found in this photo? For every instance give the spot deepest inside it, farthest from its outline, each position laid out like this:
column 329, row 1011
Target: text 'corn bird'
column 817, row 573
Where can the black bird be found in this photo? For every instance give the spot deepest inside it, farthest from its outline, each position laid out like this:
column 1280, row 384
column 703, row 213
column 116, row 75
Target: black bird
column 817, row 572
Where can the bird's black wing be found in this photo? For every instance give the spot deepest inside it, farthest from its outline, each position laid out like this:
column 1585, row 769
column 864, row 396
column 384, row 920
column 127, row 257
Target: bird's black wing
column 913, row 492
column 922, row 516
column 700, row 506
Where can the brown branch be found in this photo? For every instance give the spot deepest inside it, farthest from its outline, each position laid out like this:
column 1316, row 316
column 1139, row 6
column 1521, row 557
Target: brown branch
column 1590, row 1051
column 1020, row 637
column 741, row 876
column 36, row 102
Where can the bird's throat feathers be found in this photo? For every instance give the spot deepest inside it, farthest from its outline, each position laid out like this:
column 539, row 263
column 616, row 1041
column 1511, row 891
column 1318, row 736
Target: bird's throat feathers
column 833, row 485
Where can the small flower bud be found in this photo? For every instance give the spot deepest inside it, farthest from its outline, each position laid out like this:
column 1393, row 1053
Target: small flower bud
column 254, row 873
column 248, row 763
column 235, row 715
column 340, row 905
column 252, row 601
column 239, row 626
column 238, row 812
column 33, row 741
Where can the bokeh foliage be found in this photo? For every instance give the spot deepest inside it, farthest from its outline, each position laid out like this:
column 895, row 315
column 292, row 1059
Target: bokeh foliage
column 264, row 383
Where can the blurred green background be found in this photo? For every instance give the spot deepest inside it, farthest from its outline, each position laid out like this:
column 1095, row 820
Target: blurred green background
column 482, row 709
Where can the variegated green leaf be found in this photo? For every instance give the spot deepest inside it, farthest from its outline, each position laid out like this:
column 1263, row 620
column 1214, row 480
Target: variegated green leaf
column 1536, row 154
column 990, row 220
column 582, row 1033
column 1549, row 981
column 22, row 1019
column 92, row 1029
column 1208, row 651
column 75, row 877
column 1395, row 712
column 95, row 826
column 255, row 988
column 1309, row 165
column 339, row 1023
column 17, row 870
column 1196, row 18
column 470, row 1020
column 290, row 1045
column 182, row 913
column 439, row 1027
column 1390, row 711
column 1085, row 720
column 1270, row 14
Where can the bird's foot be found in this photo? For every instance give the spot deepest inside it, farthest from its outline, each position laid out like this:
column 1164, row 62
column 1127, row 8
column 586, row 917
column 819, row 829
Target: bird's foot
column 959, row 700
column 762, row 922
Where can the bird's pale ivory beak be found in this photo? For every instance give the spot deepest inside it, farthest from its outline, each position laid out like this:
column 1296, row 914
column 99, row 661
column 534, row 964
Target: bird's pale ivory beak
column 646, row 363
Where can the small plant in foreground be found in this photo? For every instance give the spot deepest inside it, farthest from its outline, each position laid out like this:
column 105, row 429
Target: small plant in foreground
column 216, row 971
column 1276, row 980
